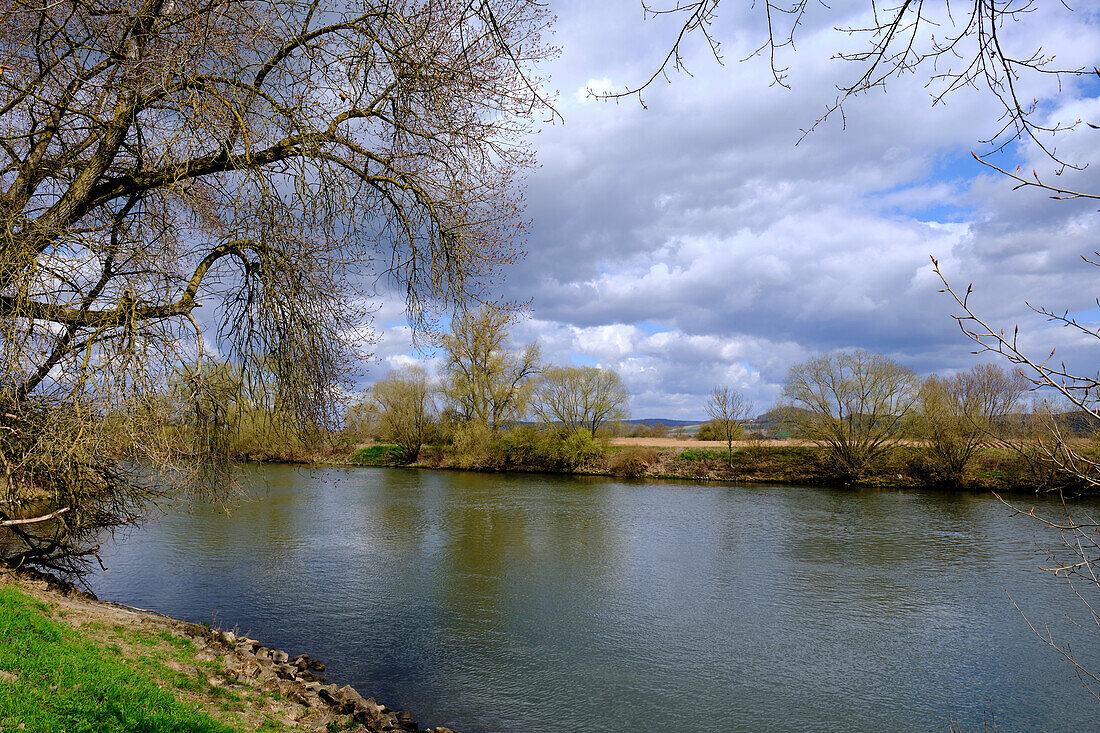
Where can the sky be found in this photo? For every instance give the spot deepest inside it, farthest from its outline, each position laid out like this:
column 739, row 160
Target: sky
column 702, row 240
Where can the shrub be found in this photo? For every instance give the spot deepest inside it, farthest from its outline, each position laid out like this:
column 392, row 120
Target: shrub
column 579, row 448
column 524, row 445
column 475, row 446
column 708, row 431
column 757, row 449
column 632, row 461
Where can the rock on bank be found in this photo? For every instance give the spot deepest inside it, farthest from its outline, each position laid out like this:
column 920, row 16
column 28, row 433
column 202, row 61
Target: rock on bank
column 234, row 678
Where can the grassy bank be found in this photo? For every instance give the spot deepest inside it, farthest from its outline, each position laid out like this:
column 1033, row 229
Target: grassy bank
column 56, row 679
column 69, row 664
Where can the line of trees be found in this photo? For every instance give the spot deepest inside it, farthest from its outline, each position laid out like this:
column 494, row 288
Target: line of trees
column 498, row 406
column 486, row 387
column 858, row 405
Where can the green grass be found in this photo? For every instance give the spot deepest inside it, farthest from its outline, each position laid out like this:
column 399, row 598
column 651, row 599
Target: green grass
column 378, row 455
column 179, row 642
column 702, row 454
column 65, row 683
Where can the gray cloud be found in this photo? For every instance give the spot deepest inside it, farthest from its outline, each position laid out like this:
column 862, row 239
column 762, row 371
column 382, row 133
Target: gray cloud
column 700, row 214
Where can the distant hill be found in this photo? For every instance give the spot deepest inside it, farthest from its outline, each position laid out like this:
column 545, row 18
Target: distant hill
column 650, row 421
column 1081, row 423
column 770, row 421
column 773, row 420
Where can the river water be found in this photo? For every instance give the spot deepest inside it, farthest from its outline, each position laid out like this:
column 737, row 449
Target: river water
column 489, row 602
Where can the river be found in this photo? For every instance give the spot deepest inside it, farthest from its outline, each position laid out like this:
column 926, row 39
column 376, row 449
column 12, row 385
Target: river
column 512, row 602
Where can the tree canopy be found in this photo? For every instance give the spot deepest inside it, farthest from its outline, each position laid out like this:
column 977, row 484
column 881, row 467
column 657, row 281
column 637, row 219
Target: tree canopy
column 484, row 381
column 188, row 178
column 581, row 398
column 959, row 414
column 405, row 408
column 852, row 403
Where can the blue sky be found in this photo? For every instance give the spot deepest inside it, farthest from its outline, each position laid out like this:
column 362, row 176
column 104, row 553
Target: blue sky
column 697, row 241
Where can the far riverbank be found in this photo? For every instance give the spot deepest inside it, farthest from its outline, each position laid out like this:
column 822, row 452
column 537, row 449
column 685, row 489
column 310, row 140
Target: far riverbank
column 904, row 465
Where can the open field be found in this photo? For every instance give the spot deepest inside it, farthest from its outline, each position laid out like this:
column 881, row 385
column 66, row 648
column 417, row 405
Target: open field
column 691, row 443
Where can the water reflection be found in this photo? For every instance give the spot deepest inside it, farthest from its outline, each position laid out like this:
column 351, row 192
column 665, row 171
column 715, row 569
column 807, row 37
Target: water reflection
column 540, row 603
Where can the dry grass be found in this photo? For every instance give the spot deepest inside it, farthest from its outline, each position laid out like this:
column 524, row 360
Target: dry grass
column 692, row 443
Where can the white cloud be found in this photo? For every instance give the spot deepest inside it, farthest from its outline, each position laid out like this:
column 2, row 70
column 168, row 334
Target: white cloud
column 593, row 89
column 606, row 343
column 700, row 213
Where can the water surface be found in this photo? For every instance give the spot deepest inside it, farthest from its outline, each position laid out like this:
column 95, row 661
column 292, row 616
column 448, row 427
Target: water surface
column 490, row 602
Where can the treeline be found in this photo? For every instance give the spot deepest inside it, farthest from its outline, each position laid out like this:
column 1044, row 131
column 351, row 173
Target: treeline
column 867, row 419
column 865, row 410
column 214, row 412
column 217, row 411
column 474, row 416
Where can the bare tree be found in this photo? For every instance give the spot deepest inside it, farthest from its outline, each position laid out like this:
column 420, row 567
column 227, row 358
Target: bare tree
column 483, row 380
column 953, row 46
column 1080, row 391
column 581, row 398
column 854, row 404
column 960, row 414
column 728, row 409
column 405, row 409
column 267, row 160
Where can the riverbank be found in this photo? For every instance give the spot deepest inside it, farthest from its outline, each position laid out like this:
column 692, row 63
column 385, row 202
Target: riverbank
column 70, row 662
column 788, row 462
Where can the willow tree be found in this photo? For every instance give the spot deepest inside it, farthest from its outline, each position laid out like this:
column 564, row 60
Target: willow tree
column 960, row 414
column 405, row 407
column 185, row 177
column 853, row 404
column 485, row 382
column 581, row 398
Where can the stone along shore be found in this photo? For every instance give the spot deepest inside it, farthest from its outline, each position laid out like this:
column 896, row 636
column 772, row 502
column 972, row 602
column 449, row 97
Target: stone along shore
column 267, row 684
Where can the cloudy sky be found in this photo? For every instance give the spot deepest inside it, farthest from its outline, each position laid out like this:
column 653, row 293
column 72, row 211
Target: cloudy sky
column 695, row 241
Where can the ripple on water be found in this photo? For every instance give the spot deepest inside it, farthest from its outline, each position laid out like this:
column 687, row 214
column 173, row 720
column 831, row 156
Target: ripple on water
column 540, row 603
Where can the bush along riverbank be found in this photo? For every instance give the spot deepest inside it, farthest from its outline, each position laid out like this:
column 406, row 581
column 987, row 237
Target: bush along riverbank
column 1000, row 469
column 69, row 663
